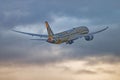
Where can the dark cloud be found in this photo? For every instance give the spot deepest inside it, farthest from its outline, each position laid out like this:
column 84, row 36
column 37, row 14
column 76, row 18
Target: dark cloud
column 15, row 47
column 24, row 12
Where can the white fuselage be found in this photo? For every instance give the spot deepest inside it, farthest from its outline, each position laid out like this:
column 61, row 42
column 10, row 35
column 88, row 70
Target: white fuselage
column 70, row 35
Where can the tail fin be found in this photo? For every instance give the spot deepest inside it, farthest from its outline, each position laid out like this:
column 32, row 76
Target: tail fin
column 50, row 33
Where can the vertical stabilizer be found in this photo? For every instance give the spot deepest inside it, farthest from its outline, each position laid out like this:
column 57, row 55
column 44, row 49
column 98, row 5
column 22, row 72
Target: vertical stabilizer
column 50, row 33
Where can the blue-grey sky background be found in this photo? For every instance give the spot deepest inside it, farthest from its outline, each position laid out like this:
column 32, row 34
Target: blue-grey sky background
column 29, row 15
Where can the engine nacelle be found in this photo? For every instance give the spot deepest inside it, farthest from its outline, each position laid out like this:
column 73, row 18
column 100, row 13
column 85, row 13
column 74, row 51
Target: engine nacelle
column 70, row 42
column 89, row 38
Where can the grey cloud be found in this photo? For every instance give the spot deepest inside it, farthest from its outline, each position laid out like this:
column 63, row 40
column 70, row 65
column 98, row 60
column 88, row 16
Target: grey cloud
column 88, row 71
column 108, row 71
column 106, row 59
column 15, row 47
column 18, row 48
column 85, row 72
column 25, row 12
column 81, row 71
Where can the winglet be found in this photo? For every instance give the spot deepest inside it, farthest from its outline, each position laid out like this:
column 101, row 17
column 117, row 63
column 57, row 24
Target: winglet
column 106, row 27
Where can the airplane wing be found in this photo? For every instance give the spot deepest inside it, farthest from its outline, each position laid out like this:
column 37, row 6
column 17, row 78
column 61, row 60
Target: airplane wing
column 98, row 31
column 39, row 39
column 92, row 33
column 32, row 34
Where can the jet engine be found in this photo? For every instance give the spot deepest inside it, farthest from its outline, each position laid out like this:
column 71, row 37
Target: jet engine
column 70, row 42
column 89, row 38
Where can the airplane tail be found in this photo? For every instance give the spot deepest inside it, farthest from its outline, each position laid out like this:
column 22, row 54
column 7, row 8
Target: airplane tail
column 50, row 33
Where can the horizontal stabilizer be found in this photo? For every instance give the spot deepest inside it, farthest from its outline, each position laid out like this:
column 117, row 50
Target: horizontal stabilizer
column 39, row 39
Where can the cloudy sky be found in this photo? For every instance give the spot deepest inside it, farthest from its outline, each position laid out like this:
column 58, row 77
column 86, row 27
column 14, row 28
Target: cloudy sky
column 23, row 59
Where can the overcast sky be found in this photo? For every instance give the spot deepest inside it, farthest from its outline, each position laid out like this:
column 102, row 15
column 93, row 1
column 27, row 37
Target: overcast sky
column 30, row 15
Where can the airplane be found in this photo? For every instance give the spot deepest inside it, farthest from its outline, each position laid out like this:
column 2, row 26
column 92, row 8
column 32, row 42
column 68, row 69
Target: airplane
column 67, row 37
